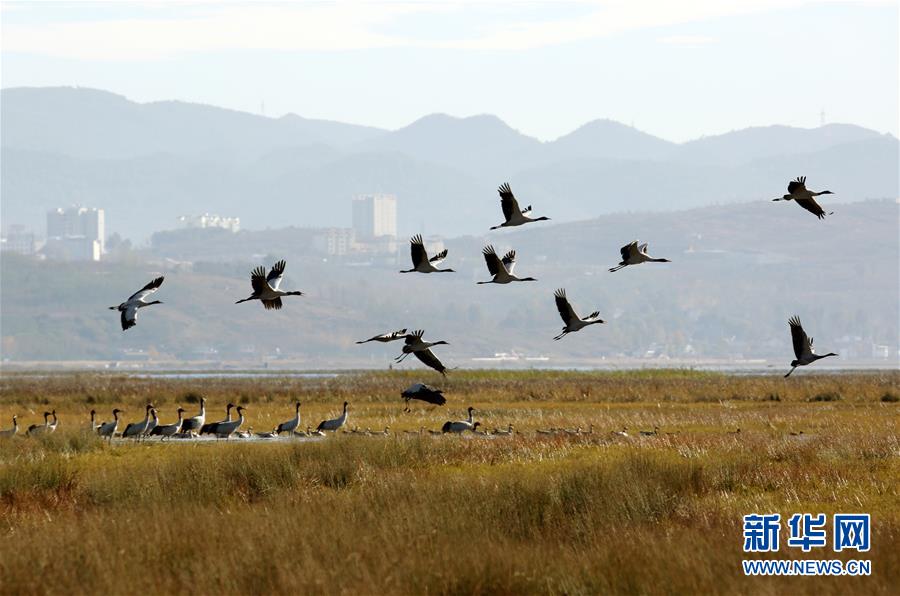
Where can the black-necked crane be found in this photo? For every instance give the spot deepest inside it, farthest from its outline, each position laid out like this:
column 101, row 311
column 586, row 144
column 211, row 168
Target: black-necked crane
column 501, row 270
column 334, row 424
column 289, row 425
column 386, row 337
column 635, row 254
column 267, row 288
column 136, row 429
column 803, row 346
column 10, row 432
column 804, row 197
column 420, row 261
column 511, row 211
column 36, row 429
column 193, row 424
column 153, row 423
column 459, row 426
column 138, row 300
column 52, row 426
column 423, row 392
column 108, row 429
column 414, row 343
column 571, row 320
column 225, row 429
column 94, row 424
column 166, row 431
column 211, row 428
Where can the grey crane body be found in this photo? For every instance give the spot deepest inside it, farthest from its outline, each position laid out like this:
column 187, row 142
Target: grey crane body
column 513, row 214
column 193, row 424
column 335, row 423
column 225, row 429
column 290, row 425
column 136, row 429
column 11, row 432
column 267, row 288
column 804, row 197
column 129, row 308
column 212, row 428
column 166, row 431
column 803, row 346
column 422, row 392
column 108, row 429
column 39, row 429
column 421, row 263
column 635, row 253
column 572, row 322
column 501, row 270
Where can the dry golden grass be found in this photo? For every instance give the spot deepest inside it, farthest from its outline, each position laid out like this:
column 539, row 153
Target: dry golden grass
column 420, row 514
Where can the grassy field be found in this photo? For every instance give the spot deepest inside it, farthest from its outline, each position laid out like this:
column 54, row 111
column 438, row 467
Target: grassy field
column 418, row 514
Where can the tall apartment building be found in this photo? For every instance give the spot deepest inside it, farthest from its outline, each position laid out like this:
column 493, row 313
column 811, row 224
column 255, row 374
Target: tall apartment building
column 76, row 233
column 374, row 216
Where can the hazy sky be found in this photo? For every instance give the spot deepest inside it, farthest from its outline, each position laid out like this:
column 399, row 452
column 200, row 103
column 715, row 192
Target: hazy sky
column 677, row 69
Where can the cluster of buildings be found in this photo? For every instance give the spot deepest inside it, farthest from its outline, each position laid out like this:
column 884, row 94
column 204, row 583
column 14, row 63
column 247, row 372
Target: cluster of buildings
column 374, row 228
column 232, row 224
column 73, row 234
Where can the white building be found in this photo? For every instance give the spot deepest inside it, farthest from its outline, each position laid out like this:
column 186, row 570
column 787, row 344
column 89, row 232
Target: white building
column 334, row 241
column 76, row 233
column 18, row 241
column 374, row 216
column 232, row 224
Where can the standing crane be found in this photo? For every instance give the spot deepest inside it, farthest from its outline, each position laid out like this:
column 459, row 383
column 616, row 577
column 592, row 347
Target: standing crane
column 501, row 270
column 193, row 424
column 803, row 346
column 136, row 429
column 11, row 432
column 108, row 429
column 798, row 193
column 334, row 424
column 572, row 321
column 511, row 211
column 166, row 431
column 290, row 425
column 266, row 288
column 138, row 300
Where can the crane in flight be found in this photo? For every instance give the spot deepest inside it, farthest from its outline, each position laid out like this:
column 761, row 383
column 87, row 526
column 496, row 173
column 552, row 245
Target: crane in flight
column 803, row 346
column 267, row 288
column 804, row 197
column 138, row 300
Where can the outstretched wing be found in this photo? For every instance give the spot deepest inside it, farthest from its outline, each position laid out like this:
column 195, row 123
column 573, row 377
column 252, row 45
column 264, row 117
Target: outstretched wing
column 626, row 251
column 802, row 344
column 491, row 259
column 594, row 316
column 129, row 317
column 258, row 280
column 272, row 304
column 509, row 261
column 429, row 359
column 425, row 393
column 414, row 337
column 797, row 185
column 147, row 290
column 507, row 201
column 438, row 257
column 565, row 309
column 417, row 250
column 811, row 206
column 386, row 337
column 276, row 274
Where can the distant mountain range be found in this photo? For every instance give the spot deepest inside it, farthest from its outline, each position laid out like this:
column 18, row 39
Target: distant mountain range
column 146, row 164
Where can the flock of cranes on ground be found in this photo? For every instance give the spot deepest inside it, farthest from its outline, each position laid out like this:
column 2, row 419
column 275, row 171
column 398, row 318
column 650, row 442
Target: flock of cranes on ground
column 197, row 426
column 267, row 289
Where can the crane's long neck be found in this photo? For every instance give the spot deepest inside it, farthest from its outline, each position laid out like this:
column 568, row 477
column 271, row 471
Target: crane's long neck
column 344, row 414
